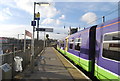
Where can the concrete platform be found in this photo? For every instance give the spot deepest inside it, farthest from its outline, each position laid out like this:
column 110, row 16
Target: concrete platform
column 52, row 66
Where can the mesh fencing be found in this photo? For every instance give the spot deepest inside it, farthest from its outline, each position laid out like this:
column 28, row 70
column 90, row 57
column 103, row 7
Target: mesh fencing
column 12, row 48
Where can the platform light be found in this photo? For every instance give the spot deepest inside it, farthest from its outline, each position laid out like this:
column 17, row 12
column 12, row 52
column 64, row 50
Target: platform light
column 43, row 4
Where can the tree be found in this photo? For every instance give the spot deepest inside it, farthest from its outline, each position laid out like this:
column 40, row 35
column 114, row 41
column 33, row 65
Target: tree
column 47, row 36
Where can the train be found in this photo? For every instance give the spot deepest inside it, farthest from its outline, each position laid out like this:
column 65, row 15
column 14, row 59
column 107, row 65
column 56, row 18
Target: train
column 95, row 49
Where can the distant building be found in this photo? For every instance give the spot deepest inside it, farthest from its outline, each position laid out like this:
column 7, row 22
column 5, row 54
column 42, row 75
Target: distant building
column 11, row 44
column 73, row 30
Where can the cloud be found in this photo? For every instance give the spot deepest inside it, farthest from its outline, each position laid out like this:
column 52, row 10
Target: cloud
column 13, row 30
column 86, row 0
column 45, row 11
column 89, row 18
column 48, row 12
column 58, row 22
column 5, row 14
column 7, row 11
column 49, row 21
column 62, row 17
column 28, row 6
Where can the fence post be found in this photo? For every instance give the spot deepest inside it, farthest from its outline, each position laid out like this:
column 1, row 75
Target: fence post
column 13, row 55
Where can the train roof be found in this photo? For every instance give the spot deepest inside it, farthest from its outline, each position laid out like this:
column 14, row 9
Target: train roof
column 105, row 23
column 81, row 31
column 110, row 21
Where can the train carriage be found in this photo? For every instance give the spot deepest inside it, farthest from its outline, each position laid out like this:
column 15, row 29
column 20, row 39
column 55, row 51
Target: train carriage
column 96, row 49
column 107, row 64
column 77, row 48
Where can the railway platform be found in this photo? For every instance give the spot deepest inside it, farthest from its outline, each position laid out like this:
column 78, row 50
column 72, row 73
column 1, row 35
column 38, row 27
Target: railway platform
column 52, row 67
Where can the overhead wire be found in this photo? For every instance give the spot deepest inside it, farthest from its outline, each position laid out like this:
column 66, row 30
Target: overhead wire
column 109, row 13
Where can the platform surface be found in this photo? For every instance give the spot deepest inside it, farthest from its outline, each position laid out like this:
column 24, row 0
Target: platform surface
column 53, row 66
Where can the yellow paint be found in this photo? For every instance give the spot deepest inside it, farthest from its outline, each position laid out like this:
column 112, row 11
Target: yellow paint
column 38, row 15
column 66, row 46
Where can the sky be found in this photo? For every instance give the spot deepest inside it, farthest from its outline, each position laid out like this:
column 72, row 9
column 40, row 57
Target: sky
column 16, row 16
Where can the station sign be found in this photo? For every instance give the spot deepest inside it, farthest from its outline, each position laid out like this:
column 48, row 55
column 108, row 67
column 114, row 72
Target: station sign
column 45, row 29
column 33, row 23
column 37, row 16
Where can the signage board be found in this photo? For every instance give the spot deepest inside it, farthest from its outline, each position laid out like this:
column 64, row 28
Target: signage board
column 49, row 29
column 5, row 67
column 33, row 23
column 37, row 16
column 45, row 29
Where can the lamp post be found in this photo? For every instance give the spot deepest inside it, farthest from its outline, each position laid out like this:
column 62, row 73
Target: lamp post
column 38, row 14
column 19, row 35
column 34, row 24
column 18, row 38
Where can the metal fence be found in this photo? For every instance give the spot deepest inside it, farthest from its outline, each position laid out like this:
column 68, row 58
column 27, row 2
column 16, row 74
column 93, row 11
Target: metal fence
column 26, row 56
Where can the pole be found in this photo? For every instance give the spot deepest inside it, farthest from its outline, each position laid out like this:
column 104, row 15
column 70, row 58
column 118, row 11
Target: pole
column 13, row 56
column 32, row 48
column 18, row 41
column 18, row 36
column 24, row 42
column 1, row 52
column 37, row 27
column 103, row 19
column 34, row 10
column 44, row 42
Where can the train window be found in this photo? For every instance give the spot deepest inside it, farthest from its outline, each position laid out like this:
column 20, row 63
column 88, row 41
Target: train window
column 111, row 46
column 112, row 36
column 61, row 43
column 58, row 43
column 71, row 46
column 71, row 40
column 77, row 44
column 71, row 43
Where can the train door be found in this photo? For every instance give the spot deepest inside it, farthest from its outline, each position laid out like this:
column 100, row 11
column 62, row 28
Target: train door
column 92, row 42
column 66, row 45
column 58, row 44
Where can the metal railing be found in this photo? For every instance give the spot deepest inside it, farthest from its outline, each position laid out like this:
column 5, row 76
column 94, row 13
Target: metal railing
column 26, row 56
